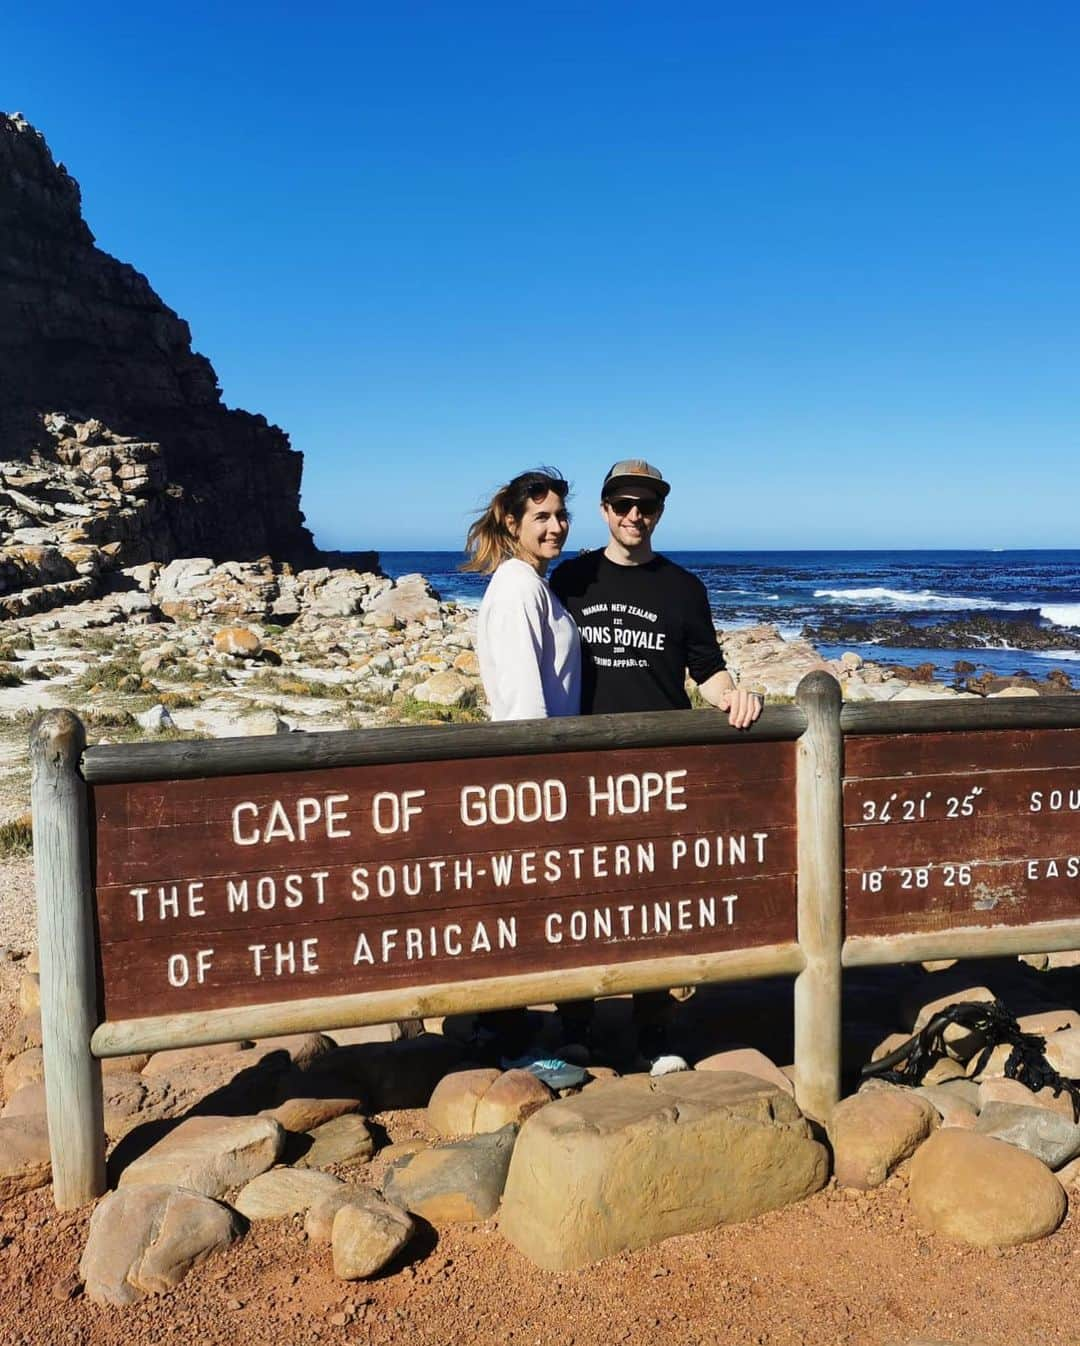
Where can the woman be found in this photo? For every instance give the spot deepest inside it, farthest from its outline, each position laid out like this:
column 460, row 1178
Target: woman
column 526, row 641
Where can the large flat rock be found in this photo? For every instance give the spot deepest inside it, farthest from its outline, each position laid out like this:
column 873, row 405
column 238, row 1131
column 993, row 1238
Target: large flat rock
column 638, row 1160
column 209, row 1154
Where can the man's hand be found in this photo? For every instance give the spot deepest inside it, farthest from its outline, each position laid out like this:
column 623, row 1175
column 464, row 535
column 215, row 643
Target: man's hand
column 743, row 707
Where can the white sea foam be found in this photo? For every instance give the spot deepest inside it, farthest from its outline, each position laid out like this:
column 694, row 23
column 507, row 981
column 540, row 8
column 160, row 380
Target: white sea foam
column 749, row 593
column 1062, row 614
column 924, row 598
column 1053, row 655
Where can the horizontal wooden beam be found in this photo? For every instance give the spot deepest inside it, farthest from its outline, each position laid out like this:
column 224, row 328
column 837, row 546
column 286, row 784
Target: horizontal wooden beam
column 919, row 717
column 183, row 760
column 328, row 1012
column 961, row 942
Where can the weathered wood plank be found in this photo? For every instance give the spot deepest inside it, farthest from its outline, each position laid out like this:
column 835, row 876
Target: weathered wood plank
column 981, row 942
column 948, row 716
column 368, row 747
column 163, row 1032
column 69, row 1003
column 820, row 898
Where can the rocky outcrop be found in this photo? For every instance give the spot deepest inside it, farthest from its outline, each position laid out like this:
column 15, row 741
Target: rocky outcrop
column 963, row 632
column 113, row 434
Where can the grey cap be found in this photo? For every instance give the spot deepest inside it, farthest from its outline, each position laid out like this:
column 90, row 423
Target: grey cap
column 633, row 472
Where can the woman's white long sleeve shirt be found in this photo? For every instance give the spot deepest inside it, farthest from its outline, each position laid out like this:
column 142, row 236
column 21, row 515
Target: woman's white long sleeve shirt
column 527, row 646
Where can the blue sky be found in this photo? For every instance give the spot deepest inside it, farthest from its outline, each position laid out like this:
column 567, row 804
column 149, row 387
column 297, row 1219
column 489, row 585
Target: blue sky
column 818, row 262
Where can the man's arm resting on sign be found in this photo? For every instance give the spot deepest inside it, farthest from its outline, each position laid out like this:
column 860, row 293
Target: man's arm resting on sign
column 742, row 707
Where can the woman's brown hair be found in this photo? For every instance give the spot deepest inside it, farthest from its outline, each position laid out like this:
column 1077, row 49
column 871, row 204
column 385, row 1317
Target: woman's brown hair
column 489, row 541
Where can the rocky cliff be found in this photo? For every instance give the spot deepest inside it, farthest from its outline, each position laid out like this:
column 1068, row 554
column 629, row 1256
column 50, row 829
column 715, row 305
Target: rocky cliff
column 113, row 434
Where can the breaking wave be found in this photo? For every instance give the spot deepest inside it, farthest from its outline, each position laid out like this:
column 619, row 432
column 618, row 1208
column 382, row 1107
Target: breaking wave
column 923, row 598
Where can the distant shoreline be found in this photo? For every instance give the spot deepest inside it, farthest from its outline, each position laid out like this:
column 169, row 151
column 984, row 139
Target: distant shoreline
column 1006, row 612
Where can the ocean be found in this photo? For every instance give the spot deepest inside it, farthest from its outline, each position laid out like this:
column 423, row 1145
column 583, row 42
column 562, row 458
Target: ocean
column 999, row 595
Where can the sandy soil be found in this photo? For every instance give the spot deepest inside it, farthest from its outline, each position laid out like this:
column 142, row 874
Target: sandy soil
column 838, row 1270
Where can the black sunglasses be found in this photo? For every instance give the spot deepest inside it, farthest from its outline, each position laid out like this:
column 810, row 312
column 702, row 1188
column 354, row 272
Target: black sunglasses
column 648, row 506
column 542, row 486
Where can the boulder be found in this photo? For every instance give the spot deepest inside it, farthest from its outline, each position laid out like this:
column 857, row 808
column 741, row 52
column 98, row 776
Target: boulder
column 284, row 1191
column 963, row 1043
column 979, row 1190
column 124, row 1096
column 366, row 1237
column 384, row 1075
column 29, row 1101
column 352, row 1037
column 135, row 1063
column 1045, row 1022
column 29, row 993
column 342, row 1140
column 512, row 1098
column 25, row 1033
column 462, row 1181
column 145, row 1240
column 944, row 1071
column 341, row 595
column 209, row 1154
column 410, row 599
column 157, row 719
column 451, row 1110
column 889, row 1044
column 186, row 1058
column 748, row 1061
column 999, row 1089
column 238, row 640
column 1069, row 1176
column 640, row 1159
column 26, row 1068
column 300, row 1049
column 1063, row 1053
column 874, row 1130
column 306, row 1114
column 24, row 1155
column 1047, row 1135
column 258, row 722
column 319, row 1220
column 447, row 688
column 404, row 1149
column 951, row 1107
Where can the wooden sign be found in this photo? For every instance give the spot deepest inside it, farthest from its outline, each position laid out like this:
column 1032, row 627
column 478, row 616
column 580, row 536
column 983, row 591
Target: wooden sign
column 952, row 830
column 205, row 892
column 239, row 890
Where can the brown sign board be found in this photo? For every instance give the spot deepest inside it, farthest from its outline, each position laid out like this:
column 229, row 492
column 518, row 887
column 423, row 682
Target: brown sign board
column 249, row 887
column 270, row 887
column 951, row 830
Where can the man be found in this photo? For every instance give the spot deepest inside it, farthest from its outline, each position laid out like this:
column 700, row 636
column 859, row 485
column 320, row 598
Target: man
column 644, row 622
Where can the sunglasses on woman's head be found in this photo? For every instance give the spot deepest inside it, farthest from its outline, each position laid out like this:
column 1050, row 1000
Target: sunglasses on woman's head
column 648, row 506
column 542, row 489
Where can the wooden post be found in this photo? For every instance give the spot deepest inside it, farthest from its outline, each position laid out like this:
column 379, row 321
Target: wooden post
column 67, row 953
column 820, row 896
